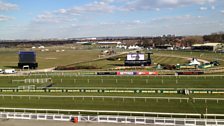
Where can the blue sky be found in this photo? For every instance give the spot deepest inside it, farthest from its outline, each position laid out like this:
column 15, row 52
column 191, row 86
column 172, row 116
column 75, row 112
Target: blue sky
column 41, row 19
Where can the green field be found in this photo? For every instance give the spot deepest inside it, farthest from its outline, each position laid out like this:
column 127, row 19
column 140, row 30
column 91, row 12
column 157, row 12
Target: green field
column 106, row 64
column 140, row 82
column 160, row 57
column 75, row 80
column 116, row 104
column 51, row 58
column 121, row 81
column 9, row 57
column 152, row 95
column 210, row 56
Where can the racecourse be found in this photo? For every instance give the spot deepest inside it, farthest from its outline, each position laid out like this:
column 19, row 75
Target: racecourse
column 84, row 90
column 116, row 81
column 116, row 103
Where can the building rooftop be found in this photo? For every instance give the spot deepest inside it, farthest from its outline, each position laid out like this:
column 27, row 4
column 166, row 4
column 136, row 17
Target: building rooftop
column 197, row 45
column 211, row 44
column 206, row 44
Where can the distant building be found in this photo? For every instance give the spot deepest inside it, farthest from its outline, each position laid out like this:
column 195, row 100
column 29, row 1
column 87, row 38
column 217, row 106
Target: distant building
column 108, row 42
column 207, row 46
column 134, row 47
column 121, row 46
column 85, row 43
column 41, row 47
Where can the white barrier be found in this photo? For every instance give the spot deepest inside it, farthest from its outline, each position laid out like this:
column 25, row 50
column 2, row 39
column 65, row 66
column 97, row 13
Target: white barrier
column 102, row 112
column 113, row 119
column 35, row 116
column 98, row 112
column 37, row 80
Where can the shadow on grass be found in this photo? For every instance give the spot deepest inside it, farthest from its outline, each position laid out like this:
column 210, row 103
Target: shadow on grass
column 13, row 67
column 116, row 64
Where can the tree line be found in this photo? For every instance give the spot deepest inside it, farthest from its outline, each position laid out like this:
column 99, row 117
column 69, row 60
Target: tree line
column 182, row 40
column 215, row 37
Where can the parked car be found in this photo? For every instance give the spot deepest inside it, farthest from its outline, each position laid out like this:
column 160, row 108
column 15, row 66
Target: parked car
column 216, row 63
column 9, row 71
column 1, row 71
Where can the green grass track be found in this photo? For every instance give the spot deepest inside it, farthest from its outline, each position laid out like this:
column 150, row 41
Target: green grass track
column 122, row 82
column 172, row 106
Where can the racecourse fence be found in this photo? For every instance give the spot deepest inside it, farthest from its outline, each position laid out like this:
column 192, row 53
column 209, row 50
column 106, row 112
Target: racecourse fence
column 75, row 74
column 113, row 119
column 115, row 90
column 115, row 113
column 32, row 81
column 180, row 99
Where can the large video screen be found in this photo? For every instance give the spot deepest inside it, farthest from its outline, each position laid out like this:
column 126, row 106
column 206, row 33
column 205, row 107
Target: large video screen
column 135, row 56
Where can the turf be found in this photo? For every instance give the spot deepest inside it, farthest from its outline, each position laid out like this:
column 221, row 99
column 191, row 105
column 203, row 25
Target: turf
column 153, row 105
column 9, row 57
column 140, row 82
column 210, row 56
column 122, row 81
column 108, row 64
column 117, row 94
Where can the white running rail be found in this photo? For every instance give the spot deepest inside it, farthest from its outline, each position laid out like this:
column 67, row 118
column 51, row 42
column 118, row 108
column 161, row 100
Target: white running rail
column 114, row 119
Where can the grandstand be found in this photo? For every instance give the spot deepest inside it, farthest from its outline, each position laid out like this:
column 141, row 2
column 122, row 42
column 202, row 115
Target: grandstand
column 207, row 46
